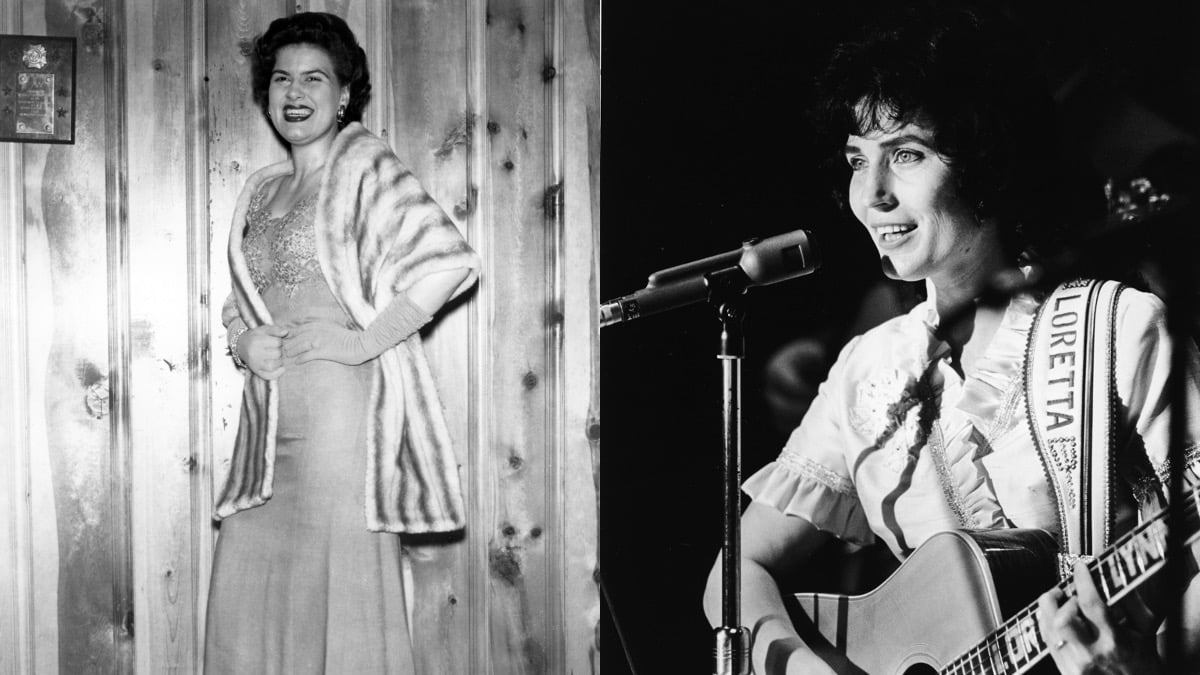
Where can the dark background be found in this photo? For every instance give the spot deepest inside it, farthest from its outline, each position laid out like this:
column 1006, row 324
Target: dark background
column 705, row 144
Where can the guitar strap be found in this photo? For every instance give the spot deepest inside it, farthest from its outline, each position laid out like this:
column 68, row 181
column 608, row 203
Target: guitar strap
column 1070, row 394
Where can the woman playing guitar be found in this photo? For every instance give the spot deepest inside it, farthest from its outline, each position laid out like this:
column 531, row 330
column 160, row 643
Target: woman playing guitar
column 1045, row 410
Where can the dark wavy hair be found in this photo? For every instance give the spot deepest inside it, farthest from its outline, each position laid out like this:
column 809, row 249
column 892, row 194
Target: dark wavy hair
column 327, row 31
column 974, row 79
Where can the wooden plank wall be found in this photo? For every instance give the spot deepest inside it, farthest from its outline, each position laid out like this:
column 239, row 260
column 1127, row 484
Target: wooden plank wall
column 71, row 588
column 118, row 405
column 164, row 155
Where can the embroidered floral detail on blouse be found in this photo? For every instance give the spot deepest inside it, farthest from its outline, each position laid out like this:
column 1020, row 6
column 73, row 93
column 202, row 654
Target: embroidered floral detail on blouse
column 818, row 472
column 281, row 251
column 872, row 399
column 897, row 410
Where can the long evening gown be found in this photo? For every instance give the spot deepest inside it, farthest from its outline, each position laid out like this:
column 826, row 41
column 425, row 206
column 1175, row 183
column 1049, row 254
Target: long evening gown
column 299, row 584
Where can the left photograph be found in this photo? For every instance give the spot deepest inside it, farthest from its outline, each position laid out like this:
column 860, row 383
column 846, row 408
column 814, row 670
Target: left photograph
column 299, row 338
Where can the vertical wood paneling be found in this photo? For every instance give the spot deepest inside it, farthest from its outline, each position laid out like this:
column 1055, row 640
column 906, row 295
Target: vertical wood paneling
column 16, row 643
column 67, row 208
column 42, row 590
column 521, row 446
column 200, row 330
column 579, row 83
column 38, row 526
column 376, row 37
column 555, row 261
column 116, row 211
column 43, row 539
column 481, row 484
column 16, row 562
column 159, row 54
column 430, row 128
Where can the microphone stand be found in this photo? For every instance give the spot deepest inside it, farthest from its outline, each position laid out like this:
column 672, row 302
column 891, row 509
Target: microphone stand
column 758, row 262
column 731, row 650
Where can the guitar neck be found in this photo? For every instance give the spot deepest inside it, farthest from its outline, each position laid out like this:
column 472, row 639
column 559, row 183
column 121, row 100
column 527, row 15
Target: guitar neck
column 1017, row 645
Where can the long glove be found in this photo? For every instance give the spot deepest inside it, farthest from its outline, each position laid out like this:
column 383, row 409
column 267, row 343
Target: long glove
column 333, row 342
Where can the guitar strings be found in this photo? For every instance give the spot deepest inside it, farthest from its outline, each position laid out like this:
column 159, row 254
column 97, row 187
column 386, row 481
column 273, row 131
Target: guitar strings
column 1191, row 520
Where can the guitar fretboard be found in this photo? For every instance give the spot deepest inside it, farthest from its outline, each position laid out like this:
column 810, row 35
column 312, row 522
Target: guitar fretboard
column 1018, row 645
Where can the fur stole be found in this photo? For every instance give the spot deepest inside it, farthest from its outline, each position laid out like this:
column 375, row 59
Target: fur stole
column 377, row 233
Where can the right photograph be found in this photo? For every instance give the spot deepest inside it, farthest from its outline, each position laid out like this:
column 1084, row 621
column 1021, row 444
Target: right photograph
column 898, row 336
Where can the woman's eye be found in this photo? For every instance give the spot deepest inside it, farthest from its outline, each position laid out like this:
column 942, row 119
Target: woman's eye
column 856, row 163
column 904, row 156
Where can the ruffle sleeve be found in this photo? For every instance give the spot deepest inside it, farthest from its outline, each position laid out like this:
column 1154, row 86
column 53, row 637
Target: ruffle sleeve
column 799, row 486
column 810, row 478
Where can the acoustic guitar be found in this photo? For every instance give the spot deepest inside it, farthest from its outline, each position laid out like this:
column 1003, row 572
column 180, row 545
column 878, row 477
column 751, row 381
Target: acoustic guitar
column 965, row 602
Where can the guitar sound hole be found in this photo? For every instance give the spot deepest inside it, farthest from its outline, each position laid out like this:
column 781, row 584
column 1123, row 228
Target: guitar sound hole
column 921, row 669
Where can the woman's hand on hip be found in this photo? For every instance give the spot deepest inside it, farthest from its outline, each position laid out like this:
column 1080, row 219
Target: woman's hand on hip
column 327, row 341
column 261, row 349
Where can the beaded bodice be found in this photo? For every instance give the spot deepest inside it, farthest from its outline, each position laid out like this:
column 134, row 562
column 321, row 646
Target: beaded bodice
column 281, row 251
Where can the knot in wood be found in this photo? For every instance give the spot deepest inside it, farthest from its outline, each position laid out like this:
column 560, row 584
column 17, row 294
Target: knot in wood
column 529, row 380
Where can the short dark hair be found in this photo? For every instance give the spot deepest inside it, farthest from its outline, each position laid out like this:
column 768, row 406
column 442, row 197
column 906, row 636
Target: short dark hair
column 973, row 78
column 327, row 31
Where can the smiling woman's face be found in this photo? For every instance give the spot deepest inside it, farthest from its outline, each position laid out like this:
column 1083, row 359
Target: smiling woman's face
column 904, row 192
column 304, row 95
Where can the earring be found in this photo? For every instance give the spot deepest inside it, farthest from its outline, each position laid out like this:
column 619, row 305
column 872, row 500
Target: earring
column 341, row 113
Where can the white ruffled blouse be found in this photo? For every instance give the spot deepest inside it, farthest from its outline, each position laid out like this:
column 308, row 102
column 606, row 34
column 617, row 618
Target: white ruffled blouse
column 898, row 446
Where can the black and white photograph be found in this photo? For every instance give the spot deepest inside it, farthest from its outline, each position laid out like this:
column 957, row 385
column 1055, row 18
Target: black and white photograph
column 562, row 337
column 1069, row 127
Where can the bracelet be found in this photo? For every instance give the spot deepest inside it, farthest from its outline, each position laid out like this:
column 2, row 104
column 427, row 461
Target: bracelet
column 233, row 343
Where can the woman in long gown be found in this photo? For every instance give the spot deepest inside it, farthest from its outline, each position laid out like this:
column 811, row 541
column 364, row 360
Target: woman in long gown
column 337, row 257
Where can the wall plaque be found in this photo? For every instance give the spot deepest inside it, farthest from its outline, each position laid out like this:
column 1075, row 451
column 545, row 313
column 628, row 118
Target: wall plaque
column 37, row 89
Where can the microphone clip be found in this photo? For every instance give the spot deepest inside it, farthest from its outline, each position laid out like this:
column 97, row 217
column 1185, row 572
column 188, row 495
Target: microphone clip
column 726, row 284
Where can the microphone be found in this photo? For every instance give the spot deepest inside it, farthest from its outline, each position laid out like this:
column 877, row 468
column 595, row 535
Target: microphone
column 759, row 262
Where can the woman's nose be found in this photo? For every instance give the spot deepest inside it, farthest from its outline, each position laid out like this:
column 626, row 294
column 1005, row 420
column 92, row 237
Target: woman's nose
column 878, row 192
